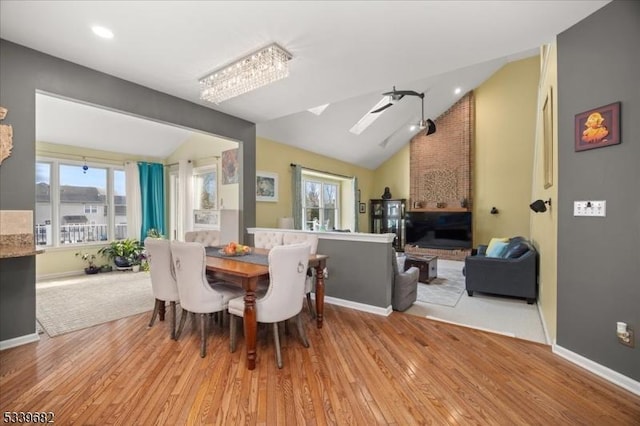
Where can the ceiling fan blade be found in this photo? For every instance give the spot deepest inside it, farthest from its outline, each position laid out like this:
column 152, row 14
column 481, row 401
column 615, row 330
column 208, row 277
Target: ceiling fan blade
column 403, row 93
column 408, row 93
column 382, row 108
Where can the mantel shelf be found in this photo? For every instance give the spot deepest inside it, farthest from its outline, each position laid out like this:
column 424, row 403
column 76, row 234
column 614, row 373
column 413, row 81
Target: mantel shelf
column 443, row 209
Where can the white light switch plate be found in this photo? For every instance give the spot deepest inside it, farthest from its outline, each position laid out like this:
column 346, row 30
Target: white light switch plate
column 590, row 208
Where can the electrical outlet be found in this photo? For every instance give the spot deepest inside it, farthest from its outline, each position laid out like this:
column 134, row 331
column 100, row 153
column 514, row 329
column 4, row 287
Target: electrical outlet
column 628, row 339
column 590, row 208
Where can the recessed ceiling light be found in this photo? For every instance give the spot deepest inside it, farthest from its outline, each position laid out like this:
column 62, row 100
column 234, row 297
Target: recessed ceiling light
column 102, row 31
column 457, row 91
column 412, row 128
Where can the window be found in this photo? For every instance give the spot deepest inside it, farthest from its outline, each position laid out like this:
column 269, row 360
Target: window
column 205, row 198
column 43, row 204
column 320, row 203
column 77, row 203
column 120, row 204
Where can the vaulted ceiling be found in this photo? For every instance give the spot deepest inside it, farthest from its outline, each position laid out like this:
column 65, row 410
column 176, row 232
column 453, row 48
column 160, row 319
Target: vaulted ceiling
column 345, row 54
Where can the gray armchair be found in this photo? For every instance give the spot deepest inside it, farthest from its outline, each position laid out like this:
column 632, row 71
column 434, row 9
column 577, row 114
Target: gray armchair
column 514, row 274
column 405, row 285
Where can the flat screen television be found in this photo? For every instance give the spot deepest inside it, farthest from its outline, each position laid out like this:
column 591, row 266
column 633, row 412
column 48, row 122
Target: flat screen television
column 439, row 230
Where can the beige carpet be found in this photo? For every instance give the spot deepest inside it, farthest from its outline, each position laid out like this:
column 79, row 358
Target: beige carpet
column 509, row 316
column 75, row 303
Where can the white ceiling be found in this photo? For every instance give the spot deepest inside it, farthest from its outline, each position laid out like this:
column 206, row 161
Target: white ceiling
column 344, row 53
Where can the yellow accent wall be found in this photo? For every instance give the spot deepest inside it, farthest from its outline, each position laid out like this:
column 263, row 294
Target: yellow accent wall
column 203, row 149
column 393, row 173
column 503, row 150
column 275, row 157
column 544, row 226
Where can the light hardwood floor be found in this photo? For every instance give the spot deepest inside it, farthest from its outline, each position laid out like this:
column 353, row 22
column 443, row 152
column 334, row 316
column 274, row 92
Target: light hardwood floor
column 361, row 369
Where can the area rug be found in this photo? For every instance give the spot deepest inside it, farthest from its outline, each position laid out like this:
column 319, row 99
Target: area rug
column 446, row 289
column 71, row 304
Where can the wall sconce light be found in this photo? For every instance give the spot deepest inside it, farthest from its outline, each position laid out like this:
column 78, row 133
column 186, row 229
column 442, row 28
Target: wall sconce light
column 494, row 210
column 625, row 334
column 540, row 206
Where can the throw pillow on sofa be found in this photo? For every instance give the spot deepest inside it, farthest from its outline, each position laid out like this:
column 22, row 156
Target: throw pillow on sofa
column 494, row 241
column 497, row 249
column 515, row 250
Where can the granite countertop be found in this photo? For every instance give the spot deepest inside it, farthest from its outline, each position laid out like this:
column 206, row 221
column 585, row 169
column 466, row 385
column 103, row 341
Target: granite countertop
column 18, row 251
column 17, row 245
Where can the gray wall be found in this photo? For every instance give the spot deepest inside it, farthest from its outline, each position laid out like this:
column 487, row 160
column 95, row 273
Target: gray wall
column 359, row 271
column 599, row 258
column 22, row 72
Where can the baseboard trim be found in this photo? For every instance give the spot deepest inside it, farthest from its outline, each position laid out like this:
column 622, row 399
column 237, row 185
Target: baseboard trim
column 600, row 370
column 59, row 275
column 19, row 341
column 545, row 330
column 358, row 306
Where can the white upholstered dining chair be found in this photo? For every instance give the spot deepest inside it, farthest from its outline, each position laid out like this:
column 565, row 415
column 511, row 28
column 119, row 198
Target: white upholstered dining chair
column 267, row 239
column 312, row 239
column 283, row 300
column 205, row 237
column 163, row 278
column 196, row 295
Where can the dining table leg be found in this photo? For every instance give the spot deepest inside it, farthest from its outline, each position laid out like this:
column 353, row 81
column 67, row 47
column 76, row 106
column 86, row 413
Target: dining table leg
column 250, row 324
column 320, row 293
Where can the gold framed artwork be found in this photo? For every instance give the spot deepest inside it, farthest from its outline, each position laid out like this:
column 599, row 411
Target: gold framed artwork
column 547, row 135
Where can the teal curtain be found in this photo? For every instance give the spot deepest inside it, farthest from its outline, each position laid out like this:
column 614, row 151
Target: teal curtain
column 152, row 197
column 296, row 190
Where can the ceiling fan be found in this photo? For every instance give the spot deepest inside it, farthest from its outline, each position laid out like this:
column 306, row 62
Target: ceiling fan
column 396, row 95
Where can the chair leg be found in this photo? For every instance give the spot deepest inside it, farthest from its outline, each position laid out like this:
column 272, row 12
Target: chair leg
column 276, row 338
column 183, row 319
column 232, row 333
column 301, row 331
column 203, row 335
column 312, row 310
column 173, row 320
column 194, row 322
column 156, row 309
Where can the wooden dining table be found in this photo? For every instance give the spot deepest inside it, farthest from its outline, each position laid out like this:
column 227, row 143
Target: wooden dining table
column 235, row 270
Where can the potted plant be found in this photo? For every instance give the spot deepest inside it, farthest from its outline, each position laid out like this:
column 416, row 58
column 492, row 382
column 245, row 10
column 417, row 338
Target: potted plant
column 122, row 252
column 139, row 261
column 154, row 233
column 106, row 268
column 90, row 259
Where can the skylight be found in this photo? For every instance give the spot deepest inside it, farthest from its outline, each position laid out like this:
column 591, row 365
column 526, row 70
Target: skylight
column 369, row 118
column 319, row 109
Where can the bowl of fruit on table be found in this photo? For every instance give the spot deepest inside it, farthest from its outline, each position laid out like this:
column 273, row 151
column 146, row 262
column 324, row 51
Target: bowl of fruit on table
column 234, row 249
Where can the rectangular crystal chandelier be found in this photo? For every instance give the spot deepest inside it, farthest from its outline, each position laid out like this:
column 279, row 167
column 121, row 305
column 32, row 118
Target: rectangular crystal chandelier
column 249, row 73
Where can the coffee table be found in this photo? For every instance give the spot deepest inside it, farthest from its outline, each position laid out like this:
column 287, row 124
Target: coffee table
column 428, row 266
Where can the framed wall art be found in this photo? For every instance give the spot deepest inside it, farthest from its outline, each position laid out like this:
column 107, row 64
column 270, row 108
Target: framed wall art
column 363, row 208
column 598, row 127
column 206, row 218
column 230, row 166
column 266, row 186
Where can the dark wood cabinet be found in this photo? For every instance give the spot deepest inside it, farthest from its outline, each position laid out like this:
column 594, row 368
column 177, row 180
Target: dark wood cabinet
column 387, row 217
